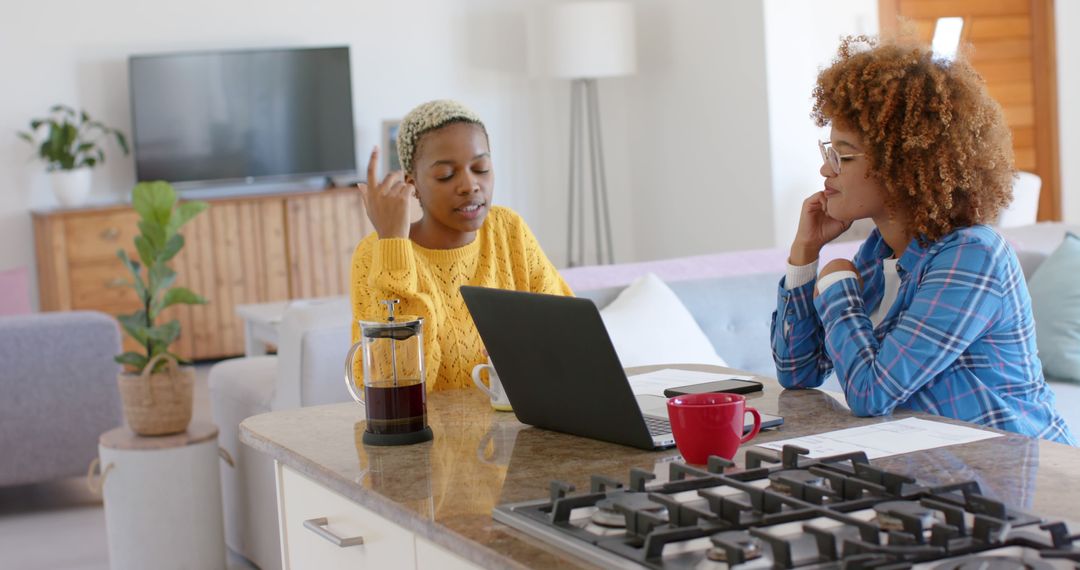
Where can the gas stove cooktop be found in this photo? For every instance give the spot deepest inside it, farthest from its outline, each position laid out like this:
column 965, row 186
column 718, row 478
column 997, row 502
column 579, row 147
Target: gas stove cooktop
column 787, row 511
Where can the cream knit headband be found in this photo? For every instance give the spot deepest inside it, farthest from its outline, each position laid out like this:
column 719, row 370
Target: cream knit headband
column 428, row 117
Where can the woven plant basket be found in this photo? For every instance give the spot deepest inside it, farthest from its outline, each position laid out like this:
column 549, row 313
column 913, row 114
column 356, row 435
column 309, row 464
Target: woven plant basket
column 160, row 403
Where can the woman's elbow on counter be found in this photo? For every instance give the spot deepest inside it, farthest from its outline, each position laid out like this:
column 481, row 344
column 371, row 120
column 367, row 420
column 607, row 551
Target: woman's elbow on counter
column 792, row 381
column 865, row 408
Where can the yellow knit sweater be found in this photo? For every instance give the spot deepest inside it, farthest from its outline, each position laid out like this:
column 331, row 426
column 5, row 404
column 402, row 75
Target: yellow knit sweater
column 505, row 254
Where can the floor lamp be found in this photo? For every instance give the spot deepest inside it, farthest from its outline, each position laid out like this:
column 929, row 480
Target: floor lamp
column 590, row 40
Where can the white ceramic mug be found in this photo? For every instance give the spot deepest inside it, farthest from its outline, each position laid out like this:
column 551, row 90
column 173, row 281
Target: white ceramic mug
column 494, row 388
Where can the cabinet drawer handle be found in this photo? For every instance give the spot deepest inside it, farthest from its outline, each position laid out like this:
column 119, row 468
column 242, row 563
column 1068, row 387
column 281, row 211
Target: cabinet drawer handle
column 110, row 234
column 318, row 526
column 116, row 283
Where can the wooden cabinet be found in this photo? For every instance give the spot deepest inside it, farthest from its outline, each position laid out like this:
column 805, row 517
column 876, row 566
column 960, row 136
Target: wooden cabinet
column 323, row 232
column 242, row 250
column 322, row 529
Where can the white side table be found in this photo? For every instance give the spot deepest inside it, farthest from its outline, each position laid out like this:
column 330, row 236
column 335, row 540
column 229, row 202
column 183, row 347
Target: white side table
column 163, row 499
column 261, row 322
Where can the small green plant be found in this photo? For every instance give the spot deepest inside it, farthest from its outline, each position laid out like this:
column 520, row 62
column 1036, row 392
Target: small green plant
column 72, row 140
column 157, row 243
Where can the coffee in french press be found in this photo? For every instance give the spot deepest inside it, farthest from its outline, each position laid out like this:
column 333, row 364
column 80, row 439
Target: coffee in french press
column 394, row 392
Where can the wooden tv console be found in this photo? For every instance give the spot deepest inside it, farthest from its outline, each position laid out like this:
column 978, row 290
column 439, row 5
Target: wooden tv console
column 250, row 249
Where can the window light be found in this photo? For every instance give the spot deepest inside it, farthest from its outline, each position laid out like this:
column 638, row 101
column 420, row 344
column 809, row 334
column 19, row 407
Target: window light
column 947, row 37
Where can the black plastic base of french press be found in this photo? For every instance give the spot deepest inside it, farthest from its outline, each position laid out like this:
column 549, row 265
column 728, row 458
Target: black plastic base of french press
column 398, row 438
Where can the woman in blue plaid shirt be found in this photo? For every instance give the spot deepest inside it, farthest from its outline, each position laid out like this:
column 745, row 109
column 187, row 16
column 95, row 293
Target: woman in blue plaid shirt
column 933, row 314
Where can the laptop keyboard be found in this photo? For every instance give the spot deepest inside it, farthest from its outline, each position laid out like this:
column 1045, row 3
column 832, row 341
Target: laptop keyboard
column 657, row 426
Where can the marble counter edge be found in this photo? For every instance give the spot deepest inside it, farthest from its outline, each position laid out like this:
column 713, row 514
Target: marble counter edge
column 460, row 545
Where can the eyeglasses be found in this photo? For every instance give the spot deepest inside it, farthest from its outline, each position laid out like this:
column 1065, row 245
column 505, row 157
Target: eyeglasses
column 829, row 155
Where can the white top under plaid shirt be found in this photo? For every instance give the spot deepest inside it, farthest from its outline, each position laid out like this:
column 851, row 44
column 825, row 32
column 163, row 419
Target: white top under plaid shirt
column 959, row 341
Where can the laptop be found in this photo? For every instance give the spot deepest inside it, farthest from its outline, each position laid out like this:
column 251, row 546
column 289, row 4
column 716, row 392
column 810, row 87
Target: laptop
column 560, row 370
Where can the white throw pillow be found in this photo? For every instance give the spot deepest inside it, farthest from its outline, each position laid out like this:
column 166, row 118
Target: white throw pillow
column 648, row 324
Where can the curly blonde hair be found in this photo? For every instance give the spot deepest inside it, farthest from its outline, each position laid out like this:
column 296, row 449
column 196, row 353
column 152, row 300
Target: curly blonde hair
column 427, row 117
column 935, row 139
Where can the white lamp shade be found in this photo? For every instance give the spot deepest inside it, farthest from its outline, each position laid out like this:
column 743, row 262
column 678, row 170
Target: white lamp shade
column 592, row 39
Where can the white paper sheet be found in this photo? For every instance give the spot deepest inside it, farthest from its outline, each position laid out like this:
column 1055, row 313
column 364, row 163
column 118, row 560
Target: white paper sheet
column 888, row 438
column 654, row 383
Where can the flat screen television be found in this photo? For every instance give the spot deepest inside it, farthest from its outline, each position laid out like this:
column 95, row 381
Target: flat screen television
column 228, row 118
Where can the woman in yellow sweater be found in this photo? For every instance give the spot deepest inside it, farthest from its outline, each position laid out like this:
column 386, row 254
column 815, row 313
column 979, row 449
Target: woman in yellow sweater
column 462, row 239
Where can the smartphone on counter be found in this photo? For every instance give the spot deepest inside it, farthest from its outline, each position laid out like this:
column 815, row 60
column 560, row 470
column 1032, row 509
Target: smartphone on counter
column 731, row 386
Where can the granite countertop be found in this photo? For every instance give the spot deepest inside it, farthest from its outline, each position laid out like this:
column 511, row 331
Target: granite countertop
column 445, row 490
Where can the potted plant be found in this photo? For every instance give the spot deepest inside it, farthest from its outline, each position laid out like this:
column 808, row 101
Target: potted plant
column 70, row 146
column 156, row 392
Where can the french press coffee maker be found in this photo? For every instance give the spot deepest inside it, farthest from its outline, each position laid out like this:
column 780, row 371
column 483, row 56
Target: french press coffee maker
column 394, row 394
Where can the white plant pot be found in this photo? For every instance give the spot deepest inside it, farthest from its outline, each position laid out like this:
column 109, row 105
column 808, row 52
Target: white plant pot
column 71, row 186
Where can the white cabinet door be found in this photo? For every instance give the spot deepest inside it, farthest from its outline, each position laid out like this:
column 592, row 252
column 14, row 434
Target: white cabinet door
column 385, row 544
column 430, row 556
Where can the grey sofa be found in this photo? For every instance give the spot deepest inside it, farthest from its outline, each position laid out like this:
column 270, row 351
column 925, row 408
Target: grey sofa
column 735, row 313
column 58, row 381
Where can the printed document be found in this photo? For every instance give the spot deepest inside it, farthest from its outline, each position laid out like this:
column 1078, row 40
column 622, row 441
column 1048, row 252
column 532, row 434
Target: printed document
column 886, row 438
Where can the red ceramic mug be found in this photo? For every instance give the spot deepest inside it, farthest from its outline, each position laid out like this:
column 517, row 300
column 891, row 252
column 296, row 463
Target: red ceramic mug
column 710, row 424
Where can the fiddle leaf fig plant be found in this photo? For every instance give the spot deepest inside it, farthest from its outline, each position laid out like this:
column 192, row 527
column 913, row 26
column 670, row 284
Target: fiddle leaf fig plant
column 71, row 140
column 152, row 278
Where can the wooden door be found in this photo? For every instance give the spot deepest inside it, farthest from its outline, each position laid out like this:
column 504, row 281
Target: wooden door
column 1014, row 47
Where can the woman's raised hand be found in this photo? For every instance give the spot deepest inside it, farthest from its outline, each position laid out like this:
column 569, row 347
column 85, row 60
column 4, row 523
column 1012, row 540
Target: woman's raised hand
column 386, row 202
column 816, row 228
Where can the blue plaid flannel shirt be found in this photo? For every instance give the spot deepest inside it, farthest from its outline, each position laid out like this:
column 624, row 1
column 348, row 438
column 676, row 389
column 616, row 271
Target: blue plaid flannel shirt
column 958, row 342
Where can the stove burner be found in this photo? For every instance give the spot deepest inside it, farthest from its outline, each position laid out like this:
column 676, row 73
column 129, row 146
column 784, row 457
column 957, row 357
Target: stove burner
column 608, row 518
column 993, row 563
column 750, row 546
column 810, row 514
column 781, row 481
column 607, row 515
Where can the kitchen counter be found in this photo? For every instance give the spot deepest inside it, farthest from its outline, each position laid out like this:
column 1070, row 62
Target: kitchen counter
column 445, row 490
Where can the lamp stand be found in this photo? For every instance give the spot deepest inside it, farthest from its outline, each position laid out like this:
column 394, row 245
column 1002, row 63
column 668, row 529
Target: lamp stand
column 585, row 125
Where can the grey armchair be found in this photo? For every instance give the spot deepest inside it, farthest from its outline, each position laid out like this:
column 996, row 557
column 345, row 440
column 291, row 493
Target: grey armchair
column 58, row 381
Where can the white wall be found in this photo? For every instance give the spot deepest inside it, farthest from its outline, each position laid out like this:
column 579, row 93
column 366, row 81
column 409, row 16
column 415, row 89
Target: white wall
column 552, row 152
column 403, row 52
column 1067, row 20
column 694, row 129
column 801, row 38
column 685, row 138
column 709, row 146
